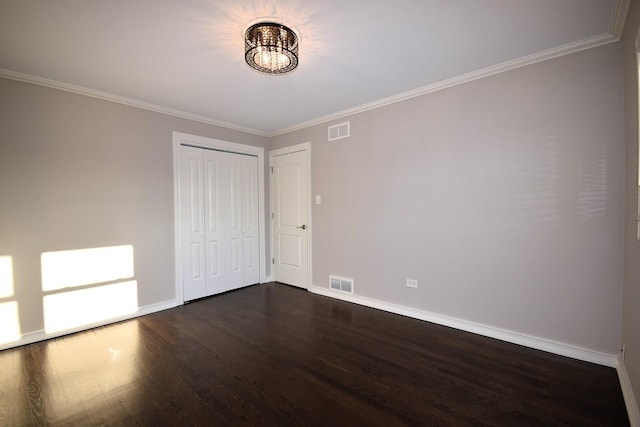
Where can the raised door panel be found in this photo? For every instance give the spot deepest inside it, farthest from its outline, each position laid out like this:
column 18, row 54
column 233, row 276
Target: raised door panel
column 289, row 192
column 290, row 250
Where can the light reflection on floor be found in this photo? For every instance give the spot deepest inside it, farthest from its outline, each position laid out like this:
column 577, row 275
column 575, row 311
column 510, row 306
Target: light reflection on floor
column 101, row 370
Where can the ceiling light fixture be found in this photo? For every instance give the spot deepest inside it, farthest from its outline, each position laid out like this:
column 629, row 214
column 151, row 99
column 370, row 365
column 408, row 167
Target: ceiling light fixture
column 271, row 48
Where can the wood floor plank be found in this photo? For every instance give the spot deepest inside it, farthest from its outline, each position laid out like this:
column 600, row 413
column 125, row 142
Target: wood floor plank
column 276, row 355
column 12, row 393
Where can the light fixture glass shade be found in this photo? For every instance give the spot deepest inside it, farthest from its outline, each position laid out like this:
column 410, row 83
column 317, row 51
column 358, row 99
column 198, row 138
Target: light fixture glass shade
column 271, row 48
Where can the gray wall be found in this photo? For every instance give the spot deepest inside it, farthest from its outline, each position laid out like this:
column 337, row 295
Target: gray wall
column 78, row 172
column 631, row 318
column 503, row 197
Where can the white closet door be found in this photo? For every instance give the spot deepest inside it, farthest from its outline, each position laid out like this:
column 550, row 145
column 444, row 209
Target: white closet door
column 192, row 223
column 219, row 221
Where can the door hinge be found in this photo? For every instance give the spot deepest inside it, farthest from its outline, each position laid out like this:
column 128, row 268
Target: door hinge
column 272, row 215
column 273, row 260
column 271, row 169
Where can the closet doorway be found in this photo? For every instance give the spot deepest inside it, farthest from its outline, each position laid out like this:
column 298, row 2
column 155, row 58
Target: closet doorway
column 219, row 220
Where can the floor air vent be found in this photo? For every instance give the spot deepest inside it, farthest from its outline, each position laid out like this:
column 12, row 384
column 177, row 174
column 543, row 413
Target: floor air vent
column 339, row 131
column 341, row 284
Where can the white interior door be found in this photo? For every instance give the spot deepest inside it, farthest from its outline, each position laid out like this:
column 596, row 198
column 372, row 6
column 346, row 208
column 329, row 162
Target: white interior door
column 219, row 217
column 290, row 223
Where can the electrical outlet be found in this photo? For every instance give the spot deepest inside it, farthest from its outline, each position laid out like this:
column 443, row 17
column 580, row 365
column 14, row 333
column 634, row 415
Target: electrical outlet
column 412, row 283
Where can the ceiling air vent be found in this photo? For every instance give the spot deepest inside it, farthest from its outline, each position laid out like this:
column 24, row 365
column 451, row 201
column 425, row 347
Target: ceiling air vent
column 341, row 284
column 339, row 131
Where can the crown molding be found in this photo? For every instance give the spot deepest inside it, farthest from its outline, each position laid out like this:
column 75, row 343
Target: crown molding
column 523, row 61
column 54, row 84
column 618, row 18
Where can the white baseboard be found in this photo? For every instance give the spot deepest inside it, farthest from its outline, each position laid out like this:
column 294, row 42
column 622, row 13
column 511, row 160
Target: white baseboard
column 550, row 346
column 627, row 391
column 31, row 337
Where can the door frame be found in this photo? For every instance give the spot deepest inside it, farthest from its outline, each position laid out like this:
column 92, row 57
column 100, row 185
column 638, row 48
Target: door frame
column 305, row 146
column 220, row 145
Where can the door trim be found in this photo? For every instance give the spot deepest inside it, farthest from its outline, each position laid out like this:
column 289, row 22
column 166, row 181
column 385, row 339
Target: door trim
column 214, row 144
column 305, row 146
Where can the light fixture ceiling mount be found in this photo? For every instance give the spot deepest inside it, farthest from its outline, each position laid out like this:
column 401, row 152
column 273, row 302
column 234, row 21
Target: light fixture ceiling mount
column 271, row 48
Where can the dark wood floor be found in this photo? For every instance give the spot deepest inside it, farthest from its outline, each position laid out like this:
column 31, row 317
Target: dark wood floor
column 275, row 355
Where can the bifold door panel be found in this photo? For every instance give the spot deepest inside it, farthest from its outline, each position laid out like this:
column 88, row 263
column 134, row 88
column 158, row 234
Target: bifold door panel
column 218, row 220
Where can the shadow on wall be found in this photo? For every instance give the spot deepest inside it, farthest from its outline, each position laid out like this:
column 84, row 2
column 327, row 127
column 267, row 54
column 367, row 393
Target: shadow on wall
column 510, row 189
column 101, row 283
column 518, row 188
column 592, row 197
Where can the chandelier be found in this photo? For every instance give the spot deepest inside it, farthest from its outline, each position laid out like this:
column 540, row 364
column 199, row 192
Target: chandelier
column 271, row 48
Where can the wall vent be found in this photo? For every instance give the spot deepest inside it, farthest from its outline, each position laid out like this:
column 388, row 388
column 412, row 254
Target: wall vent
column 341, row 284
column 339, row 131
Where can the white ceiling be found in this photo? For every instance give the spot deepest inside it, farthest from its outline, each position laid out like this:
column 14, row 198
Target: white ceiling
column 186, row 56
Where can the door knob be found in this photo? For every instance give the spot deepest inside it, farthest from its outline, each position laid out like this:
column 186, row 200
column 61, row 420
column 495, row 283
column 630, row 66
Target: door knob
column 303, row 226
